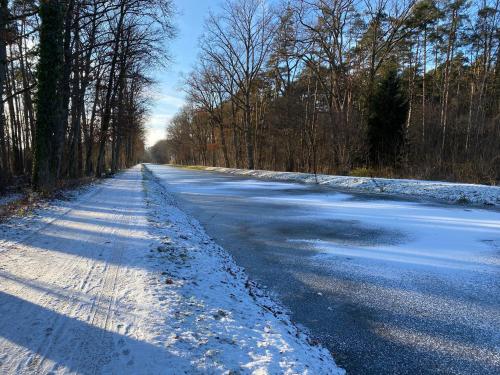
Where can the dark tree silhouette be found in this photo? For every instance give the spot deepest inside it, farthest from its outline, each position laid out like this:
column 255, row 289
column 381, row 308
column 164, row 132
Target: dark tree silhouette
column 387, row 112
column 48, row 102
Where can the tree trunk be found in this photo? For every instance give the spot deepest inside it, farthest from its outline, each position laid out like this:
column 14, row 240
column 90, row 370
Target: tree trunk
column 76, row 130
column 48, row 99
column 224, row 145
column 89, row 166
column 423, row 84
column 64, row 87
column 110, row 95
column 4, row 166
column 248, row 131
column 236, row 143
column 446, row 83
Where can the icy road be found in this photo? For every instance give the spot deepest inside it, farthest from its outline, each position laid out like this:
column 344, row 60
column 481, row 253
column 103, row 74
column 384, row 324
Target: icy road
column 390, row 286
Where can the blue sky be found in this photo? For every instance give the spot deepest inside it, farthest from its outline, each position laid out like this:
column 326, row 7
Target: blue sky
column 168, row 96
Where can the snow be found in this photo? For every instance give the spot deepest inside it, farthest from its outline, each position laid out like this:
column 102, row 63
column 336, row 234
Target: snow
column 120, row 280
column 445, row 257
column 439, row 238
column 9, row 198
column 409, row 281
column 245, row 331
column 444, row 191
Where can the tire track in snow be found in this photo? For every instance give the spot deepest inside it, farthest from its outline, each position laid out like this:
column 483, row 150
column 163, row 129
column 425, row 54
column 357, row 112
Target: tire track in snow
column 33, row 361
column 104, row 286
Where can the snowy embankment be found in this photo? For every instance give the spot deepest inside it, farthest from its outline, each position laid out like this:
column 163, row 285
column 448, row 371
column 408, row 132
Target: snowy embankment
column 225, row 323
column 444, row 191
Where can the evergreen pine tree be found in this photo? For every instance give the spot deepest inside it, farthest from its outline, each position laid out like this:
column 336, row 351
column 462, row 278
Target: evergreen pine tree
column 387, row 111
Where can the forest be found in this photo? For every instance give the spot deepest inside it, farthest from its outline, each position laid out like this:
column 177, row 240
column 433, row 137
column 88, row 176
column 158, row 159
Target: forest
column 74, row 75
column 393, row 88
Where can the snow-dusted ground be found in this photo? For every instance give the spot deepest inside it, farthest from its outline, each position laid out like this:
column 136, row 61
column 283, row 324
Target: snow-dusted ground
column 444, row 191
column 9, row 198
column 119, row 280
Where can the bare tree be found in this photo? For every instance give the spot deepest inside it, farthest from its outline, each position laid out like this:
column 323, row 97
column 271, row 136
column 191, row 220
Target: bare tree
column 239, row 41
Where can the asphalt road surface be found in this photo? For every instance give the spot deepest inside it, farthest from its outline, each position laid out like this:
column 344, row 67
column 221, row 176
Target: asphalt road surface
column 388, row 285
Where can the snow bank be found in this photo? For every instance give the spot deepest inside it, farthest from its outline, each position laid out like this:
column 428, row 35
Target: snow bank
column 224, row 324
column 445, row 191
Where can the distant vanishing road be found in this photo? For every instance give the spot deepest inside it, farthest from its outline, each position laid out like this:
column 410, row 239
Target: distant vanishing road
column 390, row 286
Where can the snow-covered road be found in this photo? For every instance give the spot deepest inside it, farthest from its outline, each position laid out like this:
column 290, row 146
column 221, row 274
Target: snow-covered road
column 389, row 285
column 119, row 281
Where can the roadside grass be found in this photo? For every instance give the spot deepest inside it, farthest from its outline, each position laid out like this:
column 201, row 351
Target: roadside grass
column 193, row 167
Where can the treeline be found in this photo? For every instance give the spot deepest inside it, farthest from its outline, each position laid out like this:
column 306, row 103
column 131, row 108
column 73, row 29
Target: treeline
column 387, row 87
column 73, row 77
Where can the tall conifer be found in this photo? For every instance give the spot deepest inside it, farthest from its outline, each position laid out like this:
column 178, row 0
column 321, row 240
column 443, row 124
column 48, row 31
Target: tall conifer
column 387, row 111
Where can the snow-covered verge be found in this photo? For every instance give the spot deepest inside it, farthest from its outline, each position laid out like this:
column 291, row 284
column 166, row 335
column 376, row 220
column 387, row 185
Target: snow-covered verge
column 444, row 191
column 9, row 198
column 221, row 320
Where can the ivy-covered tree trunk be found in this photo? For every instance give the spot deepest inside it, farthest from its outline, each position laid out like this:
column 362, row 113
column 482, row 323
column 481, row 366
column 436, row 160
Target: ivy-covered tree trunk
column 48, row 103
column 4, row 167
